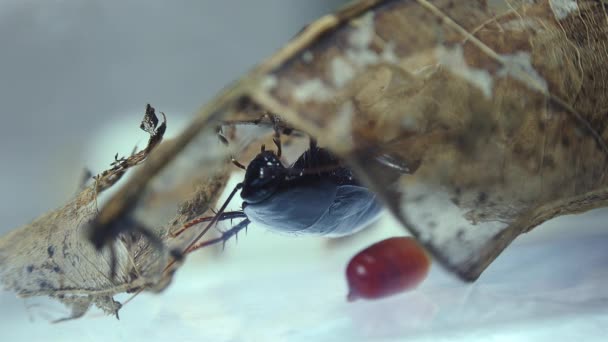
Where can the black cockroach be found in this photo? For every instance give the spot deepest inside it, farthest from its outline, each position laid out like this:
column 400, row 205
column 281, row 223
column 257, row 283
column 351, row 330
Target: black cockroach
column 317, row 195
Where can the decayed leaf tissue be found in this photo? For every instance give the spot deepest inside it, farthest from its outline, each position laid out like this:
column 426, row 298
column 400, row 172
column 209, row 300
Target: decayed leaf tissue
column 496, row 109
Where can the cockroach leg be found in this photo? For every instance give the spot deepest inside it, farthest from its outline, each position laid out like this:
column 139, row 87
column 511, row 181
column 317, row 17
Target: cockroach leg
column 229, row 215
column 223, row 238
column 277, row 142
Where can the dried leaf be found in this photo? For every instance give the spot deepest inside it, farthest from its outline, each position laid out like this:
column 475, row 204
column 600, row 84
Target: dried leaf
column 150, row 121
column 53, row 256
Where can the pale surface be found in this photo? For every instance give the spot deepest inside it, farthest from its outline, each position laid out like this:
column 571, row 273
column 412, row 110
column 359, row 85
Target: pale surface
column 548, row 285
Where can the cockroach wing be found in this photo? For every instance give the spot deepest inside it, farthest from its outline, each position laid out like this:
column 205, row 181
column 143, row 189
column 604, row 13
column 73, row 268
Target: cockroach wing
column 495, row 107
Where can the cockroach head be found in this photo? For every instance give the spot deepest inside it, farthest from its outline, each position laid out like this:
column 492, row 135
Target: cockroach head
column 262, row 177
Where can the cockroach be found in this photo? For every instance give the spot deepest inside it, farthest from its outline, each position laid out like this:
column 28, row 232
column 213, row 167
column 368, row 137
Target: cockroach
column 386, row 268
column 317, row 195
